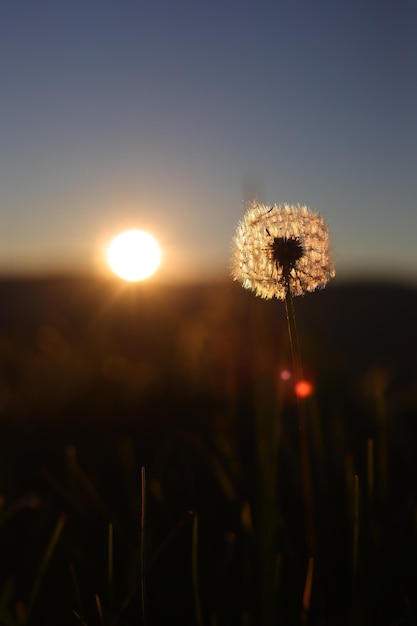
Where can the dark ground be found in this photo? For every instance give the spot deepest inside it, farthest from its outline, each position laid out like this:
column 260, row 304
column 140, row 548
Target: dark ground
column 99, row 380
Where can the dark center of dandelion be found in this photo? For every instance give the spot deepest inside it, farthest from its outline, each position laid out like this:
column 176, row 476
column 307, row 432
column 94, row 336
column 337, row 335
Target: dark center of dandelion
column 286, row 251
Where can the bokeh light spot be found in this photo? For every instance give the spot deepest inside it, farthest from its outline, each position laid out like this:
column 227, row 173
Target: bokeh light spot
column 303, row 389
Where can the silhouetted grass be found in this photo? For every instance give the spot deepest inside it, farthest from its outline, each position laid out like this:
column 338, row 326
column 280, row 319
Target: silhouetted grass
column 97, row 382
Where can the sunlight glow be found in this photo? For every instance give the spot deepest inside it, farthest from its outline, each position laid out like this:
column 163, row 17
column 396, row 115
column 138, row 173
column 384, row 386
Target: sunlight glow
column 134, row 255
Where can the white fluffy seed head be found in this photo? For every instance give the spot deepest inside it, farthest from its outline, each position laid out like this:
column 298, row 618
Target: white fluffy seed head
column 256, row 259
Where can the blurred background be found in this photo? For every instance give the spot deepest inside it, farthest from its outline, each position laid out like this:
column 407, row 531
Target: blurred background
column 172, row 117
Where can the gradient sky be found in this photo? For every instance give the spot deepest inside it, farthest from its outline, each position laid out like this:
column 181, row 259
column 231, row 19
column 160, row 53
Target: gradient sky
column 169, row 115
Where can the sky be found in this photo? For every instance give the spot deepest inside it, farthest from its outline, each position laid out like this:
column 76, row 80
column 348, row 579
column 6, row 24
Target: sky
column 173, row 115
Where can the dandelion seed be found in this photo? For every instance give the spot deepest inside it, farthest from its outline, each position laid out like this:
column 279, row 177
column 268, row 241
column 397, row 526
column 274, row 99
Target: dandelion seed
column 282, row 249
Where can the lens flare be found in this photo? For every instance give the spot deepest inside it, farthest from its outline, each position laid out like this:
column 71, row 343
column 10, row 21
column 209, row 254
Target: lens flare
column 303, row 389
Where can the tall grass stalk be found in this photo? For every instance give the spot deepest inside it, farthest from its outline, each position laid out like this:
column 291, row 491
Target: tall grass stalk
column 150, row 561
column 99, row 609
column 307, row 591
column 194, row 565
column 165, row 543
column 5, row 596
column 382, row 416
column 355, row 607
column 44, row 564
column 110, row 569
column 355, row 526
column 370, row 470
column 142, row 544
column 267, row 439
column 79, row 614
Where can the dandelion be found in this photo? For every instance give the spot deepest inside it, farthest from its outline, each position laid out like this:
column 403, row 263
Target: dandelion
column 281, row 250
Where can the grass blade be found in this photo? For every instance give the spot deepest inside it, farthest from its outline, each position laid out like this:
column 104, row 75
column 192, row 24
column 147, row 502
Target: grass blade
column 44, row 564
column 355, row 525
column 194, row 561
column 80, row 613
column 370, row 464
column 110, row 570
column 165, row 543
column 99, row 609
column 142, row 544
column 307, row 591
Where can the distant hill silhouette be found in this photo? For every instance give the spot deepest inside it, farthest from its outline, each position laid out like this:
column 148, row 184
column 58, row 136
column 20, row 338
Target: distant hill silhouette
column 365, row 324
column 368, row 323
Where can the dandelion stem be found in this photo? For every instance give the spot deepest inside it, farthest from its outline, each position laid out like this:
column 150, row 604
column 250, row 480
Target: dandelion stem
column 292, row 330
column 303, row 432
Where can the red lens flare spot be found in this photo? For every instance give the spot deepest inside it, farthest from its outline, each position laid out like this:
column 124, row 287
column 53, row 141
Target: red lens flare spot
column 285, row 375
column 303, row 389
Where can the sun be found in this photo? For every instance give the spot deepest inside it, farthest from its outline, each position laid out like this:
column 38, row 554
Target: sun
column 134, row 255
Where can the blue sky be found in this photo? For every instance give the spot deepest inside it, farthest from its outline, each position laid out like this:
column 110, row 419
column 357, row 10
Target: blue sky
column 169, row 115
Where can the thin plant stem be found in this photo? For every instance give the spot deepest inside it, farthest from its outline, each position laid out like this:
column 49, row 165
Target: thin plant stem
column 184, row 520
column 267, row 432
column 194, row 560
column 303, row 431
column 45, row 562
column 381, row 409
column 355, row 525
column 142, row 544
column 307, row 591
column 355, row 546
column 370, row 467
column 80, row 613
column 99, row 609
column 150, row 562
column 292, row 330
column 110, row 553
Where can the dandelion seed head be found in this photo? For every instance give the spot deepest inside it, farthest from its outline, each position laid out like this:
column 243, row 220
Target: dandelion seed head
column 281, row 248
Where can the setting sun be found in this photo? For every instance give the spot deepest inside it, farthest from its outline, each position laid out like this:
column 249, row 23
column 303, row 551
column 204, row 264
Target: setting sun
column 134, row 255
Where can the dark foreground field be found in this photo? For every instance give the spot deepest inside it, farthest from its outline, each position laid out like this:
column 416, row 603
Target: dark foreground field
column 98, row 381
